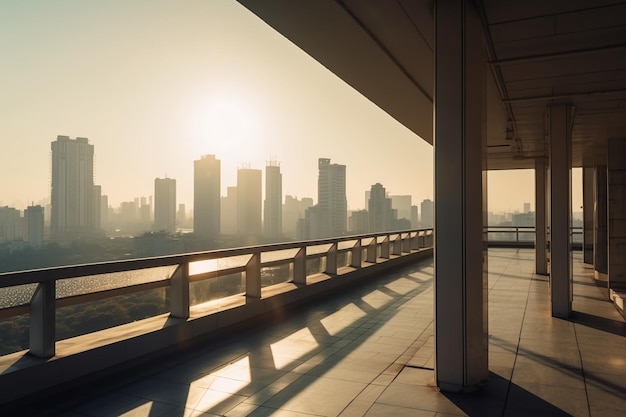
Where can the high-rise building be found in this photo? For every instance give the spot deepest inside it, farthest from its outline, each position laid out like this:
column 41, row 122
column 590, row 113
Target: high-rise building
column 249, row 201
column 427, row 219
column 359, row 222
column 272, row 208
column 72, row 199
column 228, row 206
column 206, row 197
column 402, row 203
column 331, row 198
column 379, row 208
column 415, row 217
column 526, row 207
column 293, row 211
column 33, row 218
column 165, row 205
column 9, row 224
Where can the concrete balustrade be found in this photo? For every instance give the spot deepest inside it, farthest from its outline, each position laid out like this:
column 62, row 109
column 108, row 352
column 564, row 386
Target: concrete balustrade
column 61, row 362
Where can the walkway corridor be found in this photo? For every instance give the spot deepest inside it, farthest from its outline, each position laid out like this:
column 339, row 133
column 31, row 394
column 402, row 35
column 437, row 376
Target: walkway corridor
column 370, row 353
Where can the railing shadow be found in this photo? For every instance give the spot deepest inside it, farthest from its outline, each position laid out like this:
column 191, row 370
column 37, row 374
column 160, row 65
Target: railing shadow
column 201, row 367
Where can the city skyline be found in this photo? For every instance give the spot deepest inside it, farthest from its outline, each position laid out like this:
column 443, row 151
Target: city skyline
column 218, row 81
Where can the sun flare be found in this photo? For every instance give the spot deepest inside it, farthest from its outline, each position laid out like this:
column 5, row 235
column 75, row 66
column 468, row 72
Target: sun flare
column 227, row 128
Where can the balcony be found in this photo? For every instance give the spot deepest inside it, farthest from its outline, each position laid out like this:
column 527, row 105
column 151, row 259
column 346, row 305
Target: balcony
column 368, row 350
column 255, row 283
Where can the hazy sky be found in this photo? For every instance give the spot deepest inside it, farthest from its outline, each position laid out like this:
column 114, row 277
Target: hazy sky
column 156, row 84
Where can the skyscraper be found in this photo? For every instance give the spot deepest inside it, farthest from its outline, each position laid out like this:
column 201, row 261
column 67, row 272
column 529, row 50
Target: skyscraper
column 73, row 214
column 206, row 196
column 331, row 198
column 272, row 209
column 426, row 207
column 228, row 205
column 165, row 205
column 293, row 211
column 249, row 201
column 402, row 203
column 379, row 208
column 33, row 218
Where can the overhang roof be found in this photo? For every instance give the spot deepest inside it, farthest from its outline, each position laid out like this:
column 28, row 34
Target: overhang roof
column 539, row 53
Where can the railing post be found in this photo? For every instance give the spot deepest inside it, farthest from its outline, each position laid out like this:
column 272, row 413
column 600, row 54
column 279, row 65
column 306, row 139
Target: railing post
column 253, row 276
column 406, row 243
column 422, row 239
column 429, row 238
column 516, row 234
column 43, row 320
column 179, row 292
column 356, row 255
column 415, row 241
column 299, row 267
column 397, row 245
column 372, row 250
column 331, row 260
column 384, row 248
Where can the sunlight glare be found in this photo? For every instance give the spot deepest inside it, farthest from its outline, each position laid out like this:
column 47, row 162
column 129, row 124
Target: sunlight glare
column 227, row 128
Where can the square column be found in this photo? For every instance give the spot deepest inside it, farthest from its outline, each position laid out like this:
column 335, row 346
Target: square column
column 560, row 210
column 600, row 234
column 588, row 215
column 461, row 337
column 616, row 172
column 541, row 255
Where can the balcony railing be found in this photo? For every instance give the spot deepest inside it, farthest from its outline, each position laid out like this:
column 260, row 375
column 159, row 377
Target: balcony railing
column 40, row 293
column 524, row 235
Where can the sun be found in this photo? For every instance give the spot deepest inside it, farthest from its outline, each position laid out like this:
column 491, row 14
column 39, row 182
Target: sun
column 227, row 128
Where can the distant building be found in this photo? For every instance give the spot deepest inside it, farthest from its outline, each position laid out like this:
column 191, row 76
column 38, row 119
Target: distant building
column 523, row 219
column 293, row 211
column 181, row 216
column 331, row 198
column 34, row 222
column 206, row 197
column 104, row 212
column 10, row 222
column 165, row 205
column 249, row 199
column 526, row 207
column 358, row 222
column 228, row 205
column 427, row 219
column 402, row 204
column 272, row 209
column 74, row 200
column 311, row 226
column 379, row 208
column 414, row 217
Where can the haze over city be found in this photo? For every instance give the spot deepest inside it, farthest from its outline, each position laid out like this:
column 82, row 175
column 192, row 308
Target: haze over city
column 155, row 85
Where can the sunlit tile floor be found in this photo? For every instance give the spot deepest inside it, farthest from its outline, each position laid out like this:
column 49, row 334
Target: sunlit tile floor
column 369, row 352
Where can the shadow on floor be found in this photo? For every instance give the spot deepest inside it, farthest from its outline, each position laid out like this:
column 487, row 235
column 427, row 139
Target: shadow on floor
column 599, row 323
column 499, row 397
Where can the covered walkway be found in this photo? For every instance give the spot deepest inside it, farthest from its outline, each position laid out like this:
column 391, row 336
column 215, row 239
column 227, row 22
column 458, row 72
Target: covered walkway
column 369, row 352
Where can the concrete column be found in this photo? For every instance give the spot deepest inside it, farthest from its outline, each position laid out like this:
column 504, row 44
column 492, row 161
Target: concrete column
column 600, row 234
column 461, row 338
column 588, row 215
column 541, row 258
column 616, row 172
column 560, row 210
column 43, row 320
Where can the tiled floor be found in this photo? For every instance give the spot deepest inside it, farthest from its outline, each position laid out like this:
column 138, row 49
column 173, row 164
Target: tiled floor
column 370, row 353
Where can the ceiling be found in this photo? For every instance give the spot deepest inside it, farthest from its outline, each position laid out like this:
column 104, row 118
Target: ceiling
column 538, row 53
